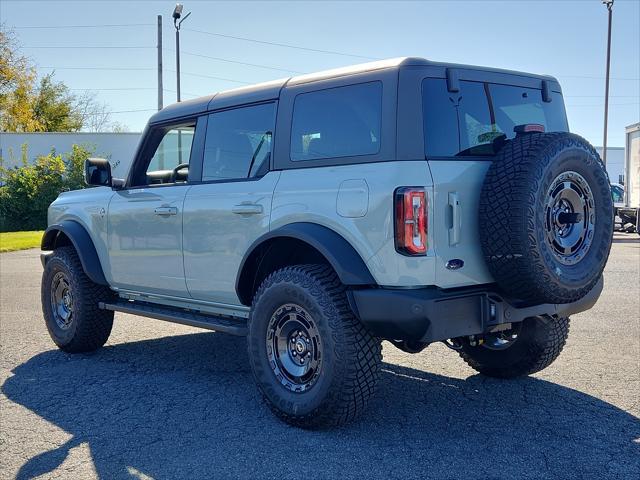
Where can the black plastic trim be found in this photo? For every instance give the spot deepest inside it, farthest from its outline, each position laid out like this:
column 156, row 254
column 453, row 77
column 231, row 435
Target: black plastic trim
column 453, row 83
column 546, row 92
column 431, row 314
column 339, row 253
column 83, row 244
column 229, row 325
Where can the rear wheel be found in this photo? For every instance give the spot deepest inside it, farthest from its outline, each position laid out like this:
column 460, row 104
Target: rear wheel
column 314, row 362
column 528, row 347
column 70, row 304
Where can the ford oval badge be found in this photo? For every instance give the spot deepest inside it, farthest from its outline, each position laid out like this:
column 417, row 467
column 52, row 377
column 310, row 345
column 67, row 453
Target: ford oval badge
column 455, row 264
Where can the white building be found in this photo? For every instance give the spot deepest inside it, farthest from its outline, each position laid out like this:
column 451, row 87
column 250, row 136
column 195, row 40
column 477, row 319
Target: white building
column 119, row 148
column 615, row 163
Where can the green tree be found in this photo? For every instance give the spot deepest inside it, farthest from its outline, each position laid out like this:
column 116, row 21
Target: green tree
column 54, row 107
column 74, row 166
column 27, row 190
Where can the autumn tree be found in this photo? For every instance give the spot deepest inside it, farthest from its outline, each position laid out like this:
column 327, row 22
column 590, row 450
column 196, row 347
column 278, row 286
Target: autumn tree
column 29, row 104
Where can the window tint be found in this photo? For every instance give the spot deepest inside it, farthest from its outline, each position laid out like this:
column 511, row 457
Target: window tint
column 477, row 129
column 467, row 122
column 238, row 142
column 440, row 118
column 174, row 149
column 518, row 105
column 337, row 122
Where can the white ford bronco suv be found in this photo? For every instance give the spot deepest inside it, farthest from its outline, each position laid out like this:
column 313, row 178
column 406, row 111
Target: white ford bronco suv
column 403, row 200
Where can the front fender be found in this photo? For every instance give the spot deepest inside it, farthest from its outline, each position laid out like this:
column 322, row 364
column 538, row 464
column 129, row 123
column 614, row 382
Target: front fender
column 81, row 241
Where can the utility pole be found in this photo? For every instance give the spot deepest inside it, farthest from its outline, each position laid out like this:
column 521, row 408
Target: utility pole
column 160, row 88
column 178, row 64
column 609, row 5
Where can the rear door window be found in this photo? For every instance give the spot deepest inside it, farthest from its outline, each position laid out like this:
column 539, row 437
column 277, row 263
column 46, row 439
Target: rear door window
column 337, row 122
column 238, row 142
column 466, row 122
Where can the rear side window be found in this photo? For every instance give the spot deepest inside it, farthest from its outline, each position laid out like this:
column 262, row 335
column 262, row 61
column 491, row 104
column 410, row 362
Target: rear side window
column 466, row 122
column 238, row 142
column 337, row 122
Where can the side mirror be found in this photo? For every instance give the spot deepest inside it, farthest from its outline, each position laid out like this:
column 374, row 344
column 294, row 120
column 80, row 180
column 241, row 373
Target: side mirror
column 97, row 171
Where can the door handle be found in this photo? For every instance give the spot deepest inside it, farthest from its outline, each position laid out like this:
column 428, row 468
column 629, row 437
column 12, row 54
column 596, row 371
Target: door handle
column 454, row 230
column 166, row 211
column 247, row 209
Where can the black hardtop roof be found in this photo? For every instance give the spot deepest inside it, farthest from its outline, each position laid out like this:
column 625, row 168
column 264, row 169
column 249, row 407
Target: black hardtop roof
column 271, row 90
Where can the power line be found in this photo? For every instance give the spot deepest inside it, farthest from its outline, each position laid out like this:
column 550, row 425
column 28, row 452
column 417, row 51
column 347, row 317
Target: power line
column 89, row 46
column 276, row 44
column 118, row 111
column 113, row 89
column 212, row 77
column 191, row 94
column 598, row 77
column 101, row 68
column 25, row 27
column 226, row 60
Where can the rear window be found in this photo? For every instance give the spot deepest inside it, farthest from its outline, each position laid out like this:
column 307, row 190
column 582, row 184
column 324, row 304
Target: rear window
column 337, row 122
column 466, row 122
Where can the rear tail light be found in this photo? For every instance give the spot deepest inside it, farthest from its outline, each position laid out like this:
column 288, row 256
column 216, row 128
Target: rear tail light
column 411, row 220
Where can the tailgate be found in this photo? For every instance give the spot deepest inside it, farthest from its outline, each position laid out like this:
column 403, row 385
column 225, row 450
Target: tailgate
column 457, row 185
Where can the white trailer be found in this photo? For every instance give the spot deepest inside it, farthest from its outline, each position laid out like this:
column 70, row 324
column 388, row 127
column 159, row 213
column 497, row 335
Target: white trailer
column 630, row 212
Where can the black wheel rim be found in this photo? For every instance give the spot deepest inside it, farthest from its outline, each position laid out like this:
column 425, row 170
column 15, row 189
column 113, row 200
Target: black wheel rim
column 61, row 300
column 502, row 340
column 569, row 217
column 294, row 349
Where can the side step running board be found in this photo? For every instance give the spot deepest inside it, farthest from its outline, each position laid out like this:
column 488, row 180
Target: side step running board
column 176, row 315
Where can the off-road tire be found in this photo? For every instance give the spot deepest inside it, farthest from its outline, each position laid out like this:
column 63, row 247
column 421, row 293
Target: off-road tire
column 540, row 341
column 351, row 356
column 90, row 326
column 513, row 224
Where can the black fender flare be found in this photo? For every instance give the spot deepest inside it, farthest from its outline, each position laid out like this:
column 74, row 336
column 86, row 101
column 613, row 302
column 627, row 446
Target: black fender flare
column 83, row 244
column 338, row 252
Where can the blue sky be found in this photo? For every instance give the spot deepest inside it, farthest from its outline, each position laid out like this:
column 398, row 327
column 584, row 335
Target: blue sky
column 566, row 39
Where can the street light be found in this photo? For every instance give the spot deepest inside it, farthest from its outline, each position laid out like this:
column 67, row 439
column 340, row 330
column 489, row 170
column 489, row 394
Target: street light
column 177, row 21
column 609, row 5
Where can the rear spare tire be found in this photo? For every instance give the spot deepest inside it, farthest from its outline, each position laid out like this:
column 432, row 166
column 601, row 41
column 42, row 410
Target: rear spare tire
column 546, row 218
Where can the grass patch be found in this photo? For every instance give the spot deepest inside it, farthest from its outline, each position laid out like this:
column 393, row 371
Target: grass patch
column 11, row 241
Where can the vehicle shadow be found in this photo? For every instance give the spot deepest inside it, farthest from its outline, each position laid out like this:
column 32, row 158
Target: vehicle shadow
column 186, row 407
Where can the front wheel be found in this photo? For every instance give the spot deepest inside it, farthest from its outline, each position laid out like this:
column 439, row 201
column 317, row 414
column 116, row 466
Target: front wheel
column 314, row 362
column 70, row 304
column 526, row 348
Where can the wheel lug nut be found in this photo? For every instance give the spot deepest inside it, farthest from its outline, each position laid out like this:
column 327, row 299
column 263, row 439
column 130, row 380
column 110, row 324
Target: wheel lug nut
column 295, row 354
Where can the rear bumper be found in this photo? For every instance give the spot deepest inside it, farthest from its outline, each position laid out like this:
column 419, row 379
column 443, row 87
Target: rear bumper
column 430, row 314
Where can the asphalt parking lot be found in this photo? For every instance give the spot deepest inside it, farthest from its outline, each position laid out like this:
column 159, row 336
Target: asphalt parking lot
column 168, row 401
